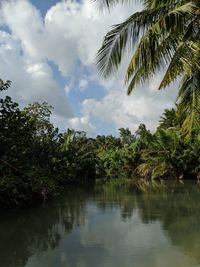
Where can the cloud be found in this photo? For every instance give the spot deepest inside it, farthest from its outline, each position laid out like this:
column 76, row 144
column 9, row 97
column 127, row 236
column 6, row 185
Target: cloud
column 81, row 124
column 30, row 82
column 143, row 106
column 71, row 31
column 83, row 84
column 69, row 35
column 22, row 61
column 79, row 28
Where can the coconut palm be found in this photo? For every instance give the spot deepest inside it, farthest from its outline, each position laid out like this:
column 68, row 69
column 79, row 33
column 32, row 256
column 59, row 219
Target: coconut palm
column 166, row 156
column 166, row 33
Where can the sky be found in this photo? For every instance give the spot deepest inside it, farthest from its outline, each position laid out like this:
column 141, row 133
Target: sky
column 47, row 50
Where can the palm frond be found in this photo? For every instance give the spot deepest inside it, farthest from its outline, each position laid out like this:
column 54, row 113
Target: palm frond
column 152, row 50
column 122, row 38
column 191, row 57
column 166, row 34
column 175, row 67
column 163, row 55
column 159, row 3
column 189, row 92
column 159, row 170
column 189, row 101
column 144, row 169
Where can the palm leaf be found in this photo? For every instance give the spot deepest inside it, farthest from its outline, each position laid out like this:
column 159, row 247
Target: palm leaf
column 151, row 51
column 122, row 38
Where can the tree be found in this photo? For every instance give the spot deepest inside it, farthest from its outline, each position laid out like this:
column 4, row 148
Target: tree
column 15, row 133
column 170, row 119
column 165, row 34
column 169, row 153
column 39, row 114
column 126, row 136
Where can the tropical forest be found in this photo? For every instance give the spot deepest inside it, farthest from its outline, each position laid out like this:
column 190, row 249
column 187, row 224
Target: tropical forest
column 131, row 198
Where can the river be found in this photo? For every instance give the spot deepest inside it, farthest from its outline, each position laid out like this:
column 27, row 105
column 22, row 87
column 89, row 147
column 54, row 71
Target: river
column 108, row 229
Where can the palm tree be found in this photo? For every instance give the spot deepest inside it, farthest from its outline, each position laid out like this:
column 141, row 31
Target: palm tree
column 126, row 136
column 171, row 118
column 165, row 156
column 166, row 33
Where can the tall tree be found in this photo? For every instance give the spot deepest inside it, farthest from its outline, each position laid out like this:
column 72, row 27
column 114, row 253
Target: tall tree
column 126, row 136
column 39, row 114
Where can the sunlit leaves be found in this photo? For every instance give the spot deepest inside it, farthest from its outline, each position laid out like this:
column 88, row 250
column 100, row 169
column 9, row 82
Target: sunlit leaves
column 164, row 34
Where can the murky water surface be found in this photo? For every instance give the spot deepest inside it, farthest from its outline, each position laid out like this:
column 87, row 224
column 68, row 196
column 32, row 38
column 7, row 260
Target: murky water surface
column 110, row 229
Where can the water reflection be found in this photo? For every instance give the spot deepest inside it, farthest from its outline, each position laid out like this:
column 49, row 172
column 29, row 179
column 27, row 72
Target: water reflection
column 104, row 229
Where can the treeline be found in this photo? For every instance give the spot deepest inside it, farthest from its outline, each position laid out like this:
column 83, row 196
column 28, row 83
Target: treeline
column 37, row 161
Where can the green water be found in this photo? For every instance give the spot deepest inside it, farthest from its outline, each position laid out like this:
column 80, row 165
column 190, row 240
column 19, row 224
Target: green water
column 110, row 229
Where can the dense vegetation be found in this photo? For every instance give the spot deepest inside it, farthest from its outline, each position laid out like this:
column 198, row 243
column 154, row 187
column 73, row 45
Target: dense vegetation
column 37, row 161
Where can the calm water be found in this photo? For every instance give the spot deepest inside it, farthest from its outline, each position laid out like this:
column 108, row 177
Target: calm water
column 113, row 229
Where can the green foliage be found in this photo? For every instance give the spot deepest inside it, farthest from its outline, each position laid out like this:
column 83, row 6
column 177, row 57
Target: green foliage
column 40, row 114
column 164, row 35
column 37, row 161
column 126, row 136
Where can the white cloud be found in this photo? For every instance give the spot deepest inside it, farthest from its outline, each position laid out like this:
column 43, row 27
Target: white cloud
column 144, row 105
column 67, row 89
column 26, row 24
column 129, row 111
column 83, row 84
column 21, row 60
column 77, row 30
column 69, row 36
column 30, row 82
column 71, row 31
column 82, row 124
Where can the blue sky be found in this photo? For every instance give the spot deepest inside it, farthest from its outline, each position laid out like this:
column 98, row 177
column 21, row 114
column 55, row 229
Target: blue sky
column 47, row 50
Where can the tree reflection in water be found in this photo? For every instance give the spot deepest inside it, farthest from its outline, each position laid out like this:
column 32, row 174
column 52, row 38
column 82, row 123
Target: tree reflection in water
column 24, row 233
column 78, row 222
